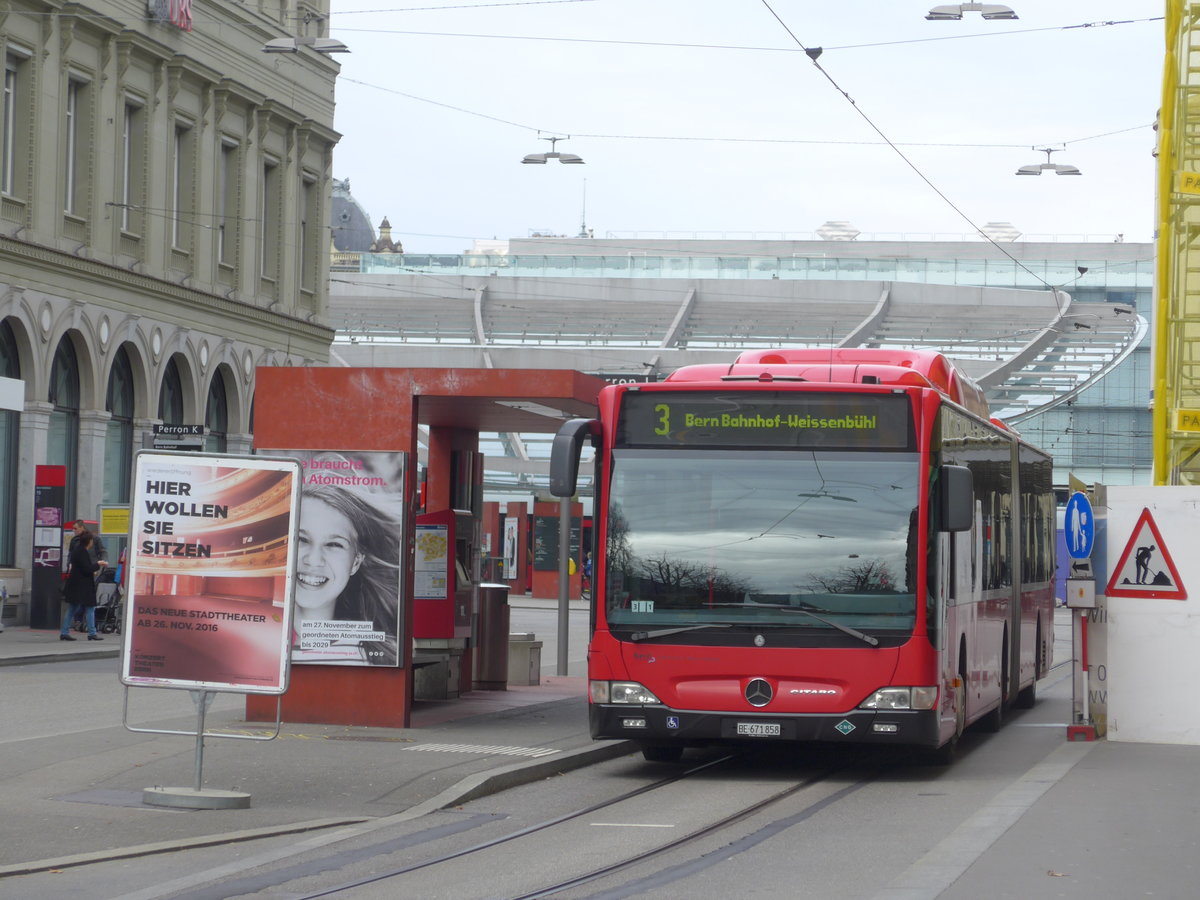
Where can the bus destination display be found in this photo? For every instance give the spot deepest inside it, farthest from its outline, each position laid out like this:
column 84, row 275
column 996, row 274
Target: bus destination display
column 764, row 419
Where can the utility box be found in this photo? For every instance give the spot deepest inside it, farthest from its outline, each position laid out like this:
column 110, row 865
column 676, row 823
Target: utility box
column 524, row 659
column 1081, row 593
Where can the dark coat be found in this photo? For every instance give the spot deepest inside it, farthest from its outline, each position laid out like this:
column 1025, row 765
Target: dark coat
column 80, row 587
column 96, row 551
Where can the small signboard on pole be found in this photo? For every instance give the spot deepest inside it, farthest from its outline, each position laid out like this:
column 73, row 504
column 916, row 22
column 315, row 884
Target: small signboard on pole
column 211, row 581
column 179, row 437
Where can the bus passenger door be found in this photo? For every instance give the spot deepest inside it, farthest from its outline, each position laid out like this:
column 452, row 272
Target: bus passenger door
column 960, row 591
column 947, row 631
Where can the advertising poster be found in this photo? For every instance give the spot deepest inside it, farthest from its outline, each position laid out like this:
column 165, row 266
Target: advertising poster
column 349, row 565
column 510, row 549
column 211, row 556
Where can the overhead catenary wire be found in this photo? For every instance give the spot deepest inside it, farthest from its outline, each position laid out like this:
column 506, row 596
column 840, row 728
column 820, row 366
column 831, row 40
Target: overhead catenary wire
column 679, row 45
column 814, row 54
column 727, row 139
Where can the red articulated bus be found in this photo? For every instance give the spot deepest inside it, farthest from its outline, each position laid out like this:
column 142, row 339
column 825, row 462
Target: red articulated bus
column 812, row 545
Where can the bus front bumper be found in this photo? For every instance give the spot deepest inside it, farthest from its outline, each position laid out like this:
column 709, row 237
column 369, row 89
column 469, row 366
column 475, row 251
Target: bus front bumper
column 662, row 725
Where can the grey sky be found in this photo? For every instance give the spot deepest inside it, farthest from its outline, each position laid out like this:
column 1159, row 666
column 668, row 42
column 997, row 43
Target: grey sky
column 435, row 124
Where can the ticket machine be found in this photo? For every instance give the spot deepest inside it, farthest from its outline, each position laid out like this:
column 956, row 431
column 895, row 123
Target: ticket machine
column 442, row 584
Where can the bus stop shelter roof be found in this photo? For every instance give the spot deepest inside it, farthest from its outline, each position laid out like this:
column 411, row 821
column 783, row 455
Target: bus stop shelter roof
column 531, row 400
column 374, row 408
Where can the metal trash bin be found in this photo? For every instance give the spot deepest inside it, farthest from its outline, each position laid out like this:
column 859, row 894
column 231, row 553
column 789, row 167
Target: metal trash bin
column 491, row 667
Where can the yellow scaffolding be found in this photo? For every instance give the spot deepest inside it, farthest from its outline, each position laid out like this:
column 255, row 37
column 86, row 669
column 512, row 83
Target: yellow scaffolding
column 1177, row 281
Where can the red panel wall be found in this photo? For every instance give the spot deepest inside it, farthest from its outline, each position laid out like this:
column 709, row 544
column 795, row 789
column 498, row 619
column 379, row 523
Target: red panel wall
column 340, row 409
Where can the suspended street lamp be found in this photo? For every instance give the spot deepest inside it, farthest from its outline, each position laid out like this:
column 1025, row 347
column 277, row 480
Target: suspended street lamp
column 293, row 45
column 539, row 159
column 987, row 10
column 1047, row 166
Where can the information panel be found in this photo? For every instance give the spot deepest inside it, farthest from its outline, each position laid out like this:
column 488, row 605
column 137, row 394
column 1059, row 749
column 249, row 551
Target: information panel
column 211, row 572
column 431, row 579
column 49, row 496
column 546, row 543
column 766, row 419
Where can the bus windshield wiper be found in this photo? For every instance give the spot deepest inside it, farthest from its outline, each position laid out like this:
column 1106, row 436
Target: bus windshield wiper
column 663, row 632
column 853, row 632
column 845, row 629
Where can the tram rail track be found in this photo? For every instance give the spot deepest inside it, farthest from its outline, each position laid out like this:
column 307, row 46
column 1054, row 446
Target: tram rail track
column 692, row 837
column 289, row 873
column 1056, row 674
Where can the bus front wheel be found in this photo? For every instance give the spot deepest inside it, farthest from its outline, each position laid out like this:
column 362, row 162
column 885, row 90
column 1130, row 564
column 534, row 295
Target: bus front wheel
column 662, row 753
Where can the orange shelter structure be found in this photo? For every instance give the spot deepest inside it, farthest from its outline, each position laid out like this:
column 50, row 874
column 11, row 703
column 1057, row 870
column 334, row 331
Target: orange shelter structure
column 380, row 409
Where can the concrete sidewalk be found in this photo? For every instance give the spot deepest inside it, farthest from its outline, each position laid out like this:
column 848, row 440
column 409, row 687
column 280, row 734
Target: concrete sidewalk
column 21, row 645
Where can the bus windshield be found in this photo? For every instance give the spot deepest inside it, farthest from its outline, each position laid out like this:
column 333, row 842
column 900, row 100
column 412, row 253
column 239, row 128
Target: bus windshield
column 758, row 538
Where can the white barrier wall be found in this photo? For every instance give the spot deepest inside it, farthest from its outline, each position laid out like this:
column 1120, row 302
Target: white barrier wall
column 1153, row 598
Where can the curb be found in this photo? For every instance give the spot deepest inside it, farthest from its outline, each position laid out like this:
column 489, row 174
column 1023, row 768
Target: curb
column 232, row 837
column 69, row 656
column 481, row 784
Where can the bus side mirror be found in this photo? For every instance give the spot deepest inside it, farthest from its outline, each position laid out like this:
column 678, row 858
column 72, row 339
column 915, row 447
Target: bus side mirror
column 564, row 454
column 957, row 498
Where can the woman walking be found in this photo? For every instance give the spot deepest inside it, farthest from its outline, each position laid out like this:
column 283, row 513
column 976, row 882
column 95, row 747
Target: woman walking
column 79, row 592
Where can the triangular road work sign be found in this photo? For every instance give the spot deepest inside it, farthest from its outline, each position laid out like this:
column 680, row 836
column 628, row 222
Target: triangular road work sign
column 1145, row 567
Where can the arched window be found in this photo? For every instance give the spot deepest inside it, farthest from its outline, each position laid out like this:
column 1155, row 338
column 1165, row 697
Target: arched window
column 170, row 395
column 10, row 424
column 216, row 416
column 118, row 440
column 62, row 441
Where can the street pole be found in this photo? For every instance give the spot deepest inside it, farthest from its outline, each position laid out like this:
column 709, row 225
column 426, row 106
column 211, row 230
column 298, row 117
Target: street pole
column 564, row 580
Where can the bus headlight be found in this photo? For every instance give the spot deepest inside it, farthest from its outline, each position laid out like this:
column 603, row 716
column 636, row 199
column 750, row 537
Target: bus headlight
column 621, row 692
column 901, row 698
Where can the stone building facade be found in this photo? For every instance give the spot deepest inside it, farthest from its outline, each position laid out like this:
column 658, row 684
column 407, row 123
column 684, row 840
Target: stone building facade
column 164, row 200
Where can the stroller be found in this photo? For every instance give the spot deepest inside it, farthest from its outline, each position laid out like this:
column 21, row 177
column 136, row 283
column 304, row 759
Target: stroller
column 108, row 606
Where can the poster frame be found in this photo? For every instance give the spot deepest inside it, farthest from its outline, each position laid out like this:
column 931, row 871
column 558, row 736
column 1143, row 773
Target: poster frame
column 137, row 560
column 361, row 473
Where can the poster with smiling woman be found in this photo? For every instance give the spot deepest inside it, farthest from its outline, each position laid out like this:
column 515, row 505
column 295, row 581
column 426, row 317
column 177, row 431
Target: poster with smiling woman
column 348, row 557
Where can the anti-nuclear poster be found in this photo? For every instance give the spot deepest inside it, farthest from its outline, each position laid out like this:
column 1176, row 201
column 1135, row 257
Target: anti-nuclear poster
column 349, row 564
column 211, row 556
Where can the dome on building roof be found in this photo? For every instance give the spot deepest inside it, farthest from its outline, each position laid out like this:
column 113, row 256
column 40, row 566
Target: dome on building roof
column 348, row 221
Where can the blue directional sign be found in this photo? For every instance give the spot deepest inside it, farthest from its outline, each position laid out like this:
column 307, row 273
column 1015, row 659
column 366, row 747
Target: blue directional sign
column 1079, row 526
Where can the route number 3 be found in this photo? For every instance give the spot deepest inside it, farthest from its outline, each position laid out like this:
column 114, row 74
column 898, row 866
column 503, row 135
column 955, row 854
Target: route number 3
column 664, row 419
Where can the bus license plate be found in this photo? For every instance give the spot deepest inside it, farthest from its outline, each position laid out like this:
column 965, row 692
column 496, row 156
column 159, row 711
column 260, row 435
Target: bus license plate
column 758, row 729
